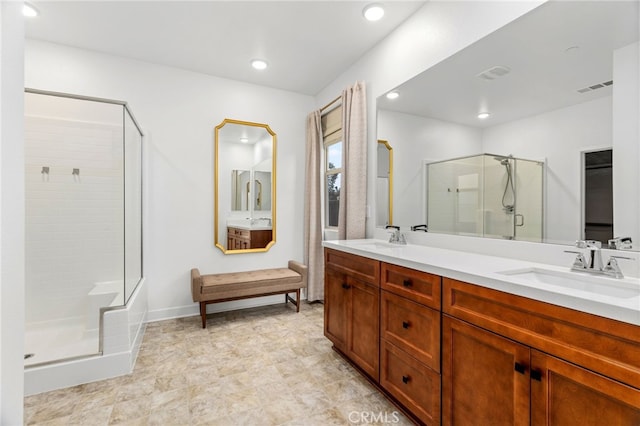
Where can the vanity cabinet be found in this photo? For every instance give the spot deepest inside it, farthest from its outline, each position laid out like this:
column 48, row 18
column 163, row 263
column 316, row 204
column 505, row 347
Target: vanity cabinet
column 512, row 360
column 455, row 353
column 352, row 312
column 410, row 340
column 242, row 239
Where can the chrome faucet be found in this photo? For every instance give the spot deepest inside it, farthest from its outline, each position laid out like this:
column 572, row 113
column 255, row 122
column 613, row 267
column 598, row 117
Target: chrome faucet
column 396, row 236
column 593, row 262
column 620, row 243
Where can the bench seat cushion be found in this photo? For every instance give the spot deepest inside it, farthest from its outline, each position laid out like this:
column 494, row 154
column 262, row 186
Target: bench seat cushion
column 232, row 285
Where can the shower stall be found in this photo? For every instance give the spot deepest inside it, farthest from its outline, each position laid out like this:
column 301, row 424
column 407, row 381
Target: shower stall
column 83, row 191
column 486, row 195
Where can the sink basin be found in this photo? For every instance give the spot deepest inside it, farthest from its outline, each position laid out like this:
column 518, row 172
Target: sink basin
column 577, row 281
column 376, row 245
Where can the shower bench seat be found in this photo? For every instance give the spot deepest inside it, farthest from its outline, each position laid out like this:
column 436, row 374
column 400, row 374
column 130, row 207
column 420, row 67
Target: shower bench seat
column 215, row 288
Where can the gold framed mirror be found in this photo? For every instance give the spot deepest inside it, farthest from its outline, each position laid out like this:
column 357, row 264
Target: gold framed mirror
column 384, row 184
column 244, row 187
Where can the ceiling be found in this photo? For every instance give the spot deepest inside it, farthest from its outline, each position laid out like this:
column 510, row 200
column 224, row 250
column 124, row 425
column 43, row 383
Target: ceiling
column 306, row 43
column 550, row 53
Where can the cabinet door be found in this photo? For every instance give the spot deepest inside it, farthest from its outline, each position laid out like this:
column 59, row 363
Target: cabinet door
column 485, row 377
column 336, row 294
column 364, row 320
column 565, row 394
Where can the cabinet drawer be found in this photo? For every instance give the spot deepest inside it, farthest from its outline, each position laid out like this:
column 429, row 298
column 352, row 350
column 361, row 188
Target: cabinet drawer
column 412, row 327
column 413, row 384
column 357, row 266
column 609, row 347
column 242, row 233
column 418, row 286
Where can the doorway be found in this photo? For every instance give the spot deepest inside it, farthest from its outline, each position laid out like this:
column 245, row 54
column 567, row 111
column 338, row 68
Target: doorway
column 598, row 195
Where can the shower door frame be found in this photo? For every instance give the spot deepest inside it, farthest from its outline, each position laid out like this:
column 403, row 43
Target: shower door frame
column 126, row 110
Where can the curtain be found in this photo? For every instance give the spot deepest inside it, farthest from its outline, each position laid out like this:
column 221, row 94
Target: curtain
column 353, row 194
column 313, row 254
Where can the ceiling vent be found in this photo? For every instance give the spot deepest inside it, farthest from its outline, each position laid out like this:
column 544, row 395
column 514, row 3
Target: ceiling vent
column 494, row 72
column 595, row 87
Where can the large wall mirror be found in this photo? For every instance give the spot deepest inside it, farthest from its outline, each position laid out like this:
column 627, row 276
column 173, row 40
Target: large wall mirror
column 245, row 183
column 497, row 137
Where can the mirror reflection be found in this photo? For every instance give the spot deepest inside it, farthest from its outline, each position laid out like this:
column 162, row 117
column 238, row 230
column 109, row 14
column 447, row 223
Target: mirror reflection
column 552, row 87
column 384, row 184
column 244, row 186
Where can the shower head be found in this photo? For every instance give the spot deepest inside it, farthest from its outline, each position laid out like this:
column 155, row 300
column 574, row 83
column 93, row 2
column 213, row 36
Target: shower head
column 503, row 160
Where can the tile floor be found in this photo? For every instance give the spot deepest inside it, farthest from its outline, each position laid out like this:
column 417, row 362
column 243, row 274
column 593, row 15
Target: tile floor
column 260, row 366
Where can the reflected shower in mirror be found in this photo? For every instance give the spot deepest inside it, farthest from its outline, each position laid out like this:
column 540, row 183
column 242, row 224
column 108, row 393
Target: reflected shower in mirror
column 244, row 186
column 485, row 196
column 573, row 89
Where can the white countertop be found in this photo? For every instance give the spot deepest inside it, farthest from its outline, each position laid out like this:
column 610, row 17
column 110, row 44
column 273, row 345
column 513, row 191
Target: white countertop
column 250, row 224
column 486, row 271
column 251, row 227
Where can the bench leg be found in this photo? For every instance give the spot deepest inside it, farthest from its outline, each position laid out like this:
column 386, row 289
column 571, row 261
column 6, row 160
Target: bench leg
column 296, row 302
column 203, row 314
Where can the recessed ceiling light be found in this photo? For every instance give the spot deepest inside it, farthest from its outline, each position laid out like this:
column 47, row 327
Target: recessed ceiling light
column 29, row 10
column 483, row 115
column 244, row 140
column 373, row 12
column 259, row 64
column 393, row 95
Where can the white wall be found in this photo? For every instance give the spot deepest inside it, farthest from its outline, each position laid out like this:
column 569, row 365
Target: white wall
column 626, row 142
column 11, row 213
column 178, row 111
column 436, row 31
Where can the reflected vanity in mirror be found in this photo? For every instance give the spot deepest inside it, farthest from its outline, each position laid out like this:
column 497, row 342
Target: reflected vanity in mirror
column 245, row 182
column 384, row 185
column 538, row 110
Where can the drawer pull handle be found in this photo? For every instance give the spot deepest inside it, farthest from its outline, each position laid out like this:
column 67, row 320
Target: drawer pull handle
column 536, row 375
column 405, row 324
column 405, row 379
column 520, row 368
column 407, row 283
column 346, row 286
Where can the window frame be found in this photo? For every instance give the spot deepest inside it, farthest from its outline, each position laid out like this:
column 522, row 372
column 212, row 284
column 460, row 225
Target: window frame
column 329, row 172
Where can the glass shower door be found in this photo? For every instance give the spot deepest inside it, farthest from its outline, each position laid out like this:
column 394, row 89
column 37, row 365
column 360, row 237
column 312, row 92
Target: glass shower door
column 528, row 218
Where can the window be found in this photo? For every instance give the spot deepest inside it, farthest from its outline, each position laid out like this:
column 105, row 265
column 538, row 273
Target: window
column 333, row 176
column 333, row 163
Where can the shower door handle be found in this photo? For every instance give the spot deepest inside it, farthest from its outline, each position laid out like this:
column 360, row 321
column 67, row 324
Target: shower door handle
column 521, row 219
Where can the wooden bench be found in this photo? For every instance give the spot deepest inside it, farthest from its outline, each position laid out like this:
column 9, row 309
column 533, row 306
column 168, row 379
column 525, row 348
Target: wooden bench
column 215, row 288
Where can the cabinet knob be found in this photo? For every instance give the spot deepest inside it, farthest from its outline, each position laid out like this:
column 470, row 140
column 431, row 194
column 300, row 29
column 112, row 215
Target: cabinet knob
column 536, row 375
column 405, row 324
column 405, row 379
column 520, row 368
column 407, row 283
column 346, row 286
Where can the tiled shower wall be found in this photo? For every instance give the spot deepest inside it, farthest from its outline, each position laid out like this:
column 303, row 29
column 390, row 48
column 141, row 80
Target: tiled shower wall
column 74, row 223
